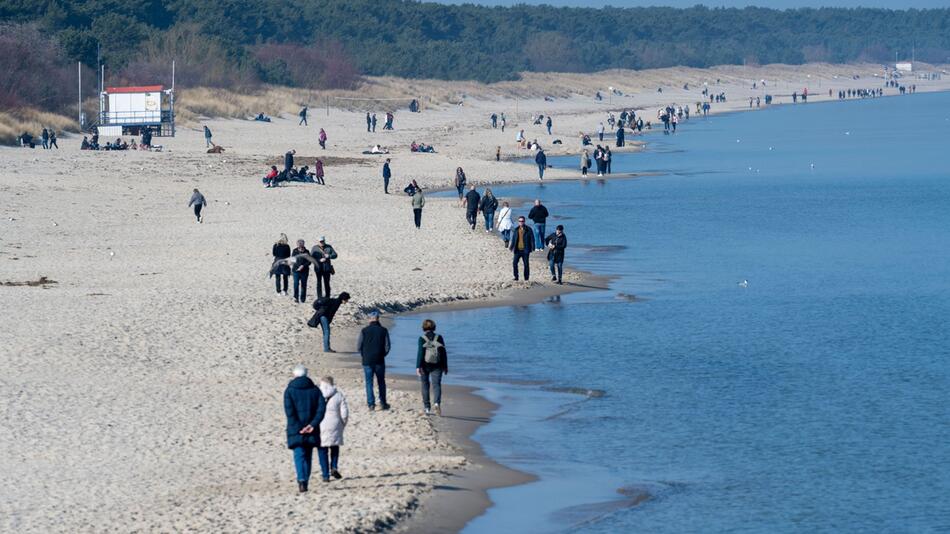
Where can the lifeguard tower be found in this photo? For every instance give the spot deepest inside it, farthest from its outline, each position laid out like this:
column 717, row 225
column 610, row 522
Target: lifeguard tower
column 132, row 110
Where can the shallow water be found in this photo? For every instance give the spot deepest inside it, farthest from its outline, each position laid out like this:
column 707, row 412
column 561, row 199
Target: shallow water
column 815, row 399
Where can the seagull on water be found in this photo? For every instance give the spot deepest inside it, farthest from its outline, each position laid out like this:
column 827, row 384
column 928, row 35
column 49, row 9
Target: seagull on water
column 744, row 283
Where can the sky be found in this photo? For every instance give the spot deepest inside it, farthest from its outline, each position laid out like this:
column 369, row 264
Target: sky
column 778, row 4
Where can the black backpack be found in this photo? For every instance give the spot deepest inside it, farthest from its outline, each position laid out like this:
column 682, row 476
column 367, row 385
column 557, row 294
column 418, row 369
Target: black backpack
column 319, row 306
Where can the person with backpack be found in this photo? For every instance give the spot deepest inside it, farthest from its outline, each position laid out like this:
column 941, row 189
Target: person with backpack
column 471, row 203
column 432, row 363
column 557, row 242
column 198, row 201
column 324, row 310
column 304, row 407
column 488, row 205
column 373, row 345
column 331, row 429
column 324, row 254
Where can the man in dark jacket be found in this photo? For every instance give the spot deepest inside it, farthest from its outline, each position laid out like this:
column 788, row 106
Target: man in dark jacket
column 539, row 215
column 373, row 346
column 303, row 116
column 387, row 174
column 556, row 242
column 324, row 309
column 368, row 122
column 324, row 253
column 471, row 201
column 301, row 272
column 522, row 243
column 289, row 160
column 432, row 362
column 304, row 407
column 542, row 162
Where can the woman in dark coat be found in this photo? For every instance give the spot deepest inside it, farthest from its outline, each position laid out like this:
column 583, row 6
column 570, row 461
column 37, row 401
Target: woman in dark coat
column 557, row 242
column 281, row 250
column 304, row 406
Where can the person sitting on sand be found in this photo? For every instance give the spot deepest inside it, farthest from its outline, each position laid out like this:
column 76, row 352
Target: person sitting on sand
column 331, row 429
column 432, row 362
column 271, row 176
column 304, row 407
column 133, row 146
column 85, row 144
column 262, row 118
column 379, row 150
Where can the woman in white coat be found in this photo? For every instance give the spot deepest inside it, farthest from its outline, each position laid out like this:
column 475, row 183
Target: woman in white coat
column 331, row 428
column 504, row 222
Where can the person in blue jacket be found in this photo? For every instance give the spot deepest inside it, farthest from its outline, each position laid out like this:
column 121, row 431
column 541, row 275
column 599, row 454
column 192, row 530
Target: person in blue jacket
column 304, row 406
column 542, row 162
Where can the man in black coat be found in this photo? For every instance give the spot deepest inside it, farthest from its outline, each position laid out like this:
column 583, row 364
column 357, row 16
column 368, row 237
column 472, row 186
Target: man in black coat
column 471, row 201
column 324, row 311
column 289, row 160
column 542, row 162
column 373, row 346
column 387, row 174
column 304, row 406
column 556, row 242
column 522, row 244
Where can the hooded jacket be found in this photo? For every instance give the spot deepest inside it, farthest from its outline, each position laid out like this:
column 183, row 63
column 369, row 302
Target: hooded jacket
column 337, row 415
column 303, row 405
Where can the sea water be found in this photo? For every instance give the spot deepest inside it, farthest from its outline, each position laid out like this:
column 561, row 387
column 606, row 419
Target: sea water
column 816, row 397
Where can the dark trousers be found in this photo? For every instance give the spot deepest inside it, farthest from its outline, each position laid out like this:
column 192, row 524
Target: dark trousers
column 417, row 216
column 277, row 278
column 471, row 217
column 323, row 285
column 300, row 285
column 379, row 371
column 329, row 459
column 386, row 185
column 431, row 378
column 323, row 144
column 558, row 266
column 521, row 255
column 303, row 120
column 541, row 171
column 198, row 212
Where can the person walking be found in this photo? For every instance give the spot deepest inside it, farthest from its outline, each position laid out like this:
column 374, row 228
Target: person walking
column 585, row 163
column 488, row 205
column 324, row 310
column 557, row 242
column 318, row 172
column 301, row 272
column 504, row 121
column 600, row 132
column 542, row 162
column 334, row 422
column 305, row 408
column 45, row 136
column 548, row 124
column 418, row 202
column 471, row 202
column 368, row 122
column 539, row 215
column 52, row 139
column 432, row 363
column 460, row 182
column 322, row 139
column 373, row 346
column 208, row 142
column 324, row 254
column 281, row 250
column 522, row 243
column 198, row 201
column 504, row 222
column 303, row 117
column 387, row 174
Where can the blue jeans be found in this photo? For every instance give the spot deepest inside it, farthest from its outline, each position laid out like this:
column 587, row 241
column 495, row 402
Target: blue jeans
column 300, row 284
column 559, row 266
column 325, row 325
column 328, row 461
column 489, row 219
column 540, row 171
column 303, row 457
column 435, row 378
column 380, row 372
column 539, row 231
column 506, row 235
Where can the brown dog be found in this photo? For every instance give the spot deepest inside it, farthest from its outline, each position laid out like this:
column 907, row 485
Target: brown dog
column 215, row 149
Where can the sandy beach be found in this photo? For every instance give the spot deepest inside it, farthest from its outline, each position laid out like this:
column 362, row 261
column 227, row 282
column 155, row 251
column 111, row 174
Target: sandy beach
column 145, row 355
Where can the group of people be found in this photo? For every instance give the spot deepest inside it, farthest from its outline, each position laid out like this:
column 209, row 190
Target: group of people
column 497, row 121
column 290, row 173
column 297, row 263
column 602, row 158
column 48, row 138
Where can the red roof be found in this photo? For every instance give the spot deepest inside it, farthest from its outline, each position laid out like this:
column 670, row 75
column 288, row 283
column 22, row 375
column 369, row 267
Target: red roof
column 136, row 89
